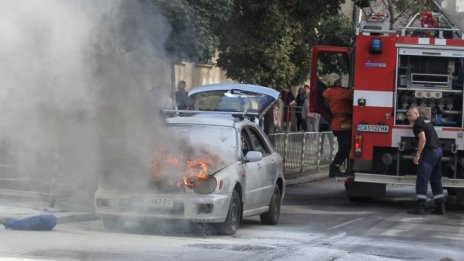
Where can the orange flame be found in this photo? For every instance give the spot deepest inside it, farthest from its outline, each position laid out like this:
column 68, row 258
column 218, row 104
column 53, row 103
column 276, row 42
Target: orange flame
column 197, row 171
column 194, row 170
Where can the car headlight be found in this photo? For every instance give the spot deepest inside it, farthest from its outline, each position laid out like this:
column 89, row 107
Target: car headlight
column 205, row 186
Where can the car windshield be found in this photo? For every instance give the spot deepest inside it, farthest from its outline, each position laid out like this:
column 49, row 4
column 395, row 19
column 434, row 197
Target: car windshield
column 219, row 141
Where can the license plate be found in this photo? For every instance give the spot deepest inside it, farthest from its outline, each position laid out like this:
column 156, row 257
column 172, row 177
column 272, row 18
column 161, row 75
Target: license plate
column 372, row 128
column 159, row 202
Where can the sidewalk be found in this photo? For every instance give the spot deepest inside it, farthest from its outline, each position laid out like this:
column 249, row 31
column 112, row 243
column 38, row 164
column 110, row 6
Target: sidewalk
column 309, row 176
column 19, row 204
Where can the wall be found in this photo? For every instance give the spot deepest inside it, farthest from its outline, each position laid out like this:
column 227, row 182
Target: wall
column 199, row 74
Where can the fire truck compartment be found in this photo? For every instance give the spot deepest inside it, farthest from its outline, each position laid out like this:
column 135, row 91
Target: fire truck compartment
column 385, row 159
column 431, row 78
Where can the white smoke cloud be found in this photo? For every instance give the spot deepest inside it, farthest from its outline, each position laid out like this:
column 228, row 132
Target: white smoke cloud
column 75, row 85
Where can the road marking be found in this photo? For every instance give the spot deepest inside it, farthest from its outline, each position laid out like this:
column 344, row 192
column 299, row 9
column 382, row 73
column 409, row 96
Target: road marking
column 449, row 237
column 346, row 223
column 13, row 258
column 301, row 210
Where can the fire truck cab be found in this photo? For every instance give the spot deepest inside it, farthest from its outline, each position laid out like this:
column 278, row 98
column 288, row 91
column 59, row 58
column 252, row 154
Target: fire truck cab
column 422, row 64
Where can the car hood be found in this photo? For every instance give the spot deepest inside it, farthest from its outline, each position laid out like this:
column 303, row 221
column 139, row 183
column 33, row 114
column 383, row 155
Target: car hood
column 233, row 97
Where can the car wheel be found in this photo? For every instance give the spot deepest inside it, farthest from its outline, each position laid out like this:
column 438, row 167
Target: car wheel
column 272, row 216
column 230, row 226
column 113, row 222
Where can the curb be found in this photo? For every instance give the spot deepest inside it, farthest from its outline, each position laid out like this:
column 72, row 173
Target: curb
column 310, row 177
column 76, row 217
column 62, row 218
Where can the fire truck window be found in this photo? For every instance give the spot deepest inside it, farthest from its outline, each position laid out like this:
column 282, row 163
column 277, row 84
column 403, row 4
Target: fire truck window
column 332, row 62
column 327, row 63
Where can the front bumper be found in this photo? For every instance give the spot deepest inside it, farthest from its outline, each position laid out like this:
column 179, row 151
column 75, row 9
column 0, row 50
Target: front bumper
column 210, row 208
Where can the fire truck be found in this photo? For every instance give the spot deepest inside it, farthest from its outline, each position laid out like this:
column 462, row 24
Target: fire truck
column 421, row 64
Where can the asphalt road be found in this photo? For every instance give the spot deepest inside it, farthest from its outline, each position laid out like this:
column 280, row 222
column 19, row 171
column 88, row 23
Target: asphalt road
column 317, row 223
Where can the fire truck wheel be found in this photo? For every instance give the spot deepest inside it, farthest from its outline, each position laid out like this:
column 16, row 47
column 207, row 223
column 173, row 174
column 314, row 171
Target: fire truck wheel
column 230, row 226
column 113, row 222
column 272, row 216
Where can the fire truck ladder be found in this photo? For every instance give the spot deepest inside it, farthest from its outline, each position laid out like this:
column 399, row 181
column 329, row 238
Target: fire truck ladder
column 443, row 26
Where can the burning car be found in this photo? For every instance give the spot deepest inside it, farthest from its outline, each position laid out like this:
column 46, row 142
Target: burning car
column 222, row 167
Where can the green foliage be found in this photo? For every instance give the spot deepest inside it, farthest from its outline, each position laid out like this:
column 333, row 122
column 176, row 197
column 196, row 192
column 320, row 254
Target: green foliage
column 336, row 30
column 269, row 43
column 194, row 25
column 262, row 42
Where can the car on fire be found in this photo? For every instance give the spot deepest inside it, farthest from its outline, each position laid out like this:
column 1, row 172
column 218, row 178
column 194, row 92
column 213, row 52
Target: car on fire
column 220, row 169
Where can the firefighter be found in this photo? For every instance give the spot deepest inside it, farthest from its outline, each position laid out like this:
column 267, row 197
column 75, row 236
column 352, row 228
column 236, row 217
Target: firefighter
column 340, row 101
column 428, row 158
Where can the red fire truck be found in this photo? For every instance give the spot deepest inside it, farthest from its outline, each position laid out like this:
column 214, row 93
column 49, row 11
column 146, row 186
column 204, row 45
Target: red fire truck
column 422, row 64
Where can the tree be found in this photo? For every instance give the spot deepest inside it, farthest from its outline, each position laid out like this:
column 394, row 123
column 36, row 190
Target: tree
column 336, row 31
column 269, row 43
column 194, row 27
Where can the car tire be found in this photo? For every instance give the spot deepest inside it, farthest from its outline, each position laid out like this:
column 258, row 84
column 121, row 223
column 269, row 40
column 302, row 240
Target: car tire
column 272, row 216
column 112, row 223
column 230, row 226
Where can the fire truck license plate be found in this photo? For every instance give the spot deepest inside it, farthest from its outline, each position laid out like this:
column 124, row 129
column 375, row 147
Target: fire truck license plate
column 372, row 128
column 160, row 202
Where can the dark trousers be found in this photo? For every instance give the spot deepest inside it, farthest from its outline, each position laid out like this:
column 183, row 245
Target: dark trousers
column 429, row 169
column 344, row 146
column 300, row 122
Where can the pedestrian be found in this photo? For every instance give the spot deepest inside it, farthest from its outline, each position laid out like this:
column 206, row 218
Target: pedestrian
column 289, row 102
column 310, row 117
column 182, row 96
column 340, row 100
column 300, row 101
column 276, row 117
column 428, row 160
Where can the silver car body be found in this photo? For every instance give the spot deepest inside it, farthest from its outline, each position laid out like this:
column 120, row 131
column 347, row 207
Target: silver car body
column 254, row 179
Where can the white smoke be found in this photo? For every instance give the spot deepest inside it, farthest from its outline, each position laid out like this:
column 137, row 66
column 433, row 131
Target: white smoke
column 76, row 85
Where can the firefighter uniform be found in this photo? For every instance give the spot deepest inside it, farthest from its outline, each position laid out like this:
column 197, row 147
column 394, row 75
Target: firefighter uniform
column 429, row 168
column 340, row 101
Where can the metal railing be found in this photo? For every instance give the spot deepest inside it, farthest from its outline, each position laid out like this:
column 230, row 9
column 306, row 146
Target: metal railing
column 304, row 151
column 47, row 184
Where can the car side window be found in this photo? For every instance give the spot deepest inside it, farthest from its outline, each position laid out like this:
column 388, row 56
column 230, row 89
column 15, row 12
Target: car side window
column 244, row 142
column 258, row 143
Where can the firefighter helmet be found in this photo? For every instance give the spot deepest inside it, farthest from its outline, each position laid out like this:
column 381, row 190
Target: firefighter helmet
column 332, row 79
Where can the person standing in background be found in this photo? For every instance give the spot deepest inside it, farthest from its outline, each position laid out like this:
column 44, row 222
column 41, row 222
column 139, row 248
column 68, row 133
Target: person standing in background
column 309, row 116
column 276, row 118
column 299, row 110
column 289, row 102
column 182, row 96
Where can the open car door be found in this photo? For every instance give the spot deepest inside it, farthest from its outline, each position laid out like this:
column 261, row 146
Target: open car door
column 327, row 60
